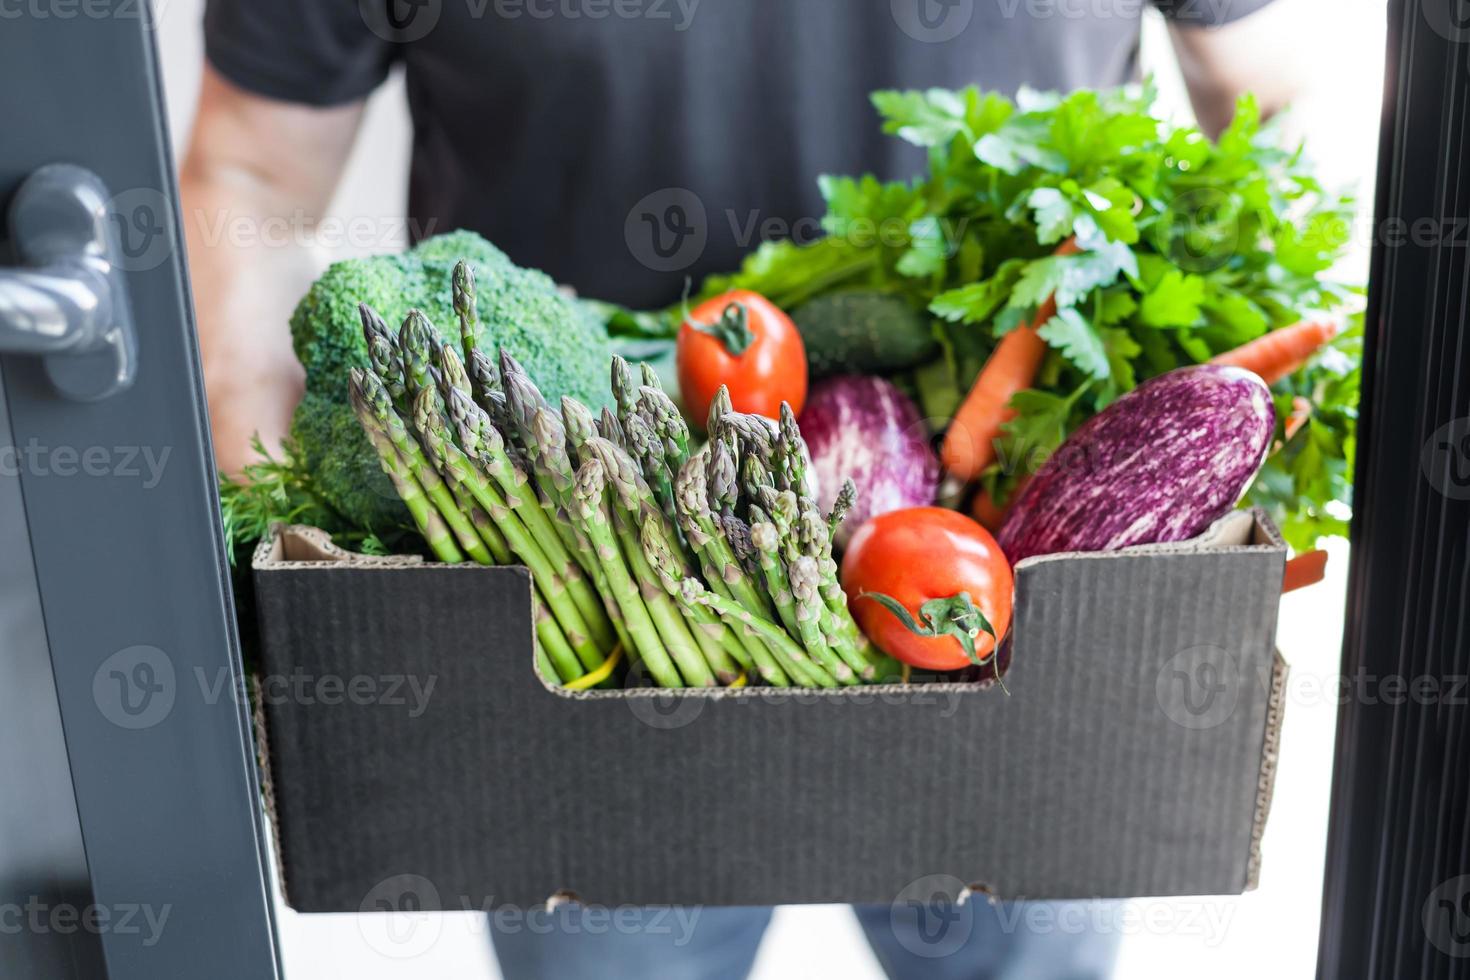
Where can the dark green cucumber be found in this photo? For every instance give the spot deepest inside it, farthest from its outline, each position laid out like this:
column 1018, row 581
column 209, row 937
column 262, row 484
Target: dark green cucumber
column 863, row 332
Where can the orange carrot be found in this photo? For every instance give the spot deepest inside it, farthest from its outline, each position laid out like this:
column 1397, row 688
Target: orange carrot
column 969, row 445
column 1307, row 568
column 990, row 514
column 1301, row 413
column 1280, row 352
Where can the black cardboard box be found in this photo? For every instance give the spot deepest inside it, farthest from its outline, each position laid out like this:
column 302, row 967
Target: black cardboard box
column 1133, row 755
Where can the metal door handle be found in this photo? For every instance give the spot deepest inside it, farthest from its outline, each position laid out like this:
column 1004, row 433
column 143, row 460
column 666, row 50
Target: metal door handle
column 68, row 301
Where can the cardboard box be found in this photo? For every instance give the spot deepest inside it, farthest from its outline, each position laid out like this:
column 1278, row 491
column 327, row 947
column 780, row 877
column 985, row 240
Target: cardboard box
column 409, row 738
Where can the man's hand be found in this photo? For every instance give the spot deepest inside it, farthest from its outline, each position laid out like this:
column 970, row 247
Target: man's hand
column 1260, row 53
column 258, row 174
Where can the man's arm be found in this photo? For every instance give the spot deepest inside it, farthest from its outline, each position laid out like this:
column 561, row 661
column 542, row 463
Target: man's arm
column 1259, row 53
column 257, row 174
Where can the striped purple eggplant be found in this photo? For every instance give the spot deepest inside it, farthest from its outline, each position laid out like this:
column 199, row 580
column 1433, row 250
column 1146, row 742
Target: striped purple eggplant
column 1161, row 463
column 866, row 430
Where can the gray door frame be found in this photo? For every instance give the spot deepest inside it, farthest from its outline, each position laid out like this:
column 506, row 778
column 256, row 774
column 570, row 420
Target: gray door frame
column 120, row 499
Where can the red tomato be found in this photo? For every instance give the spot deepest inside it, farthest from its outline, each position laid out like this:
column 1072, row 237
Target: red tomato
column 743, row 341
column 917, row 555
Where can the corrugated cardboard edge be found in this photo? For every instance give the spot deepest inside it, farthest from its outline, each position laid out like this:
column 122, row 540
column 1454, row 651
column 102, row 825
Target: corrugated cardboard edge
column 267, row 779
column 1270, row 753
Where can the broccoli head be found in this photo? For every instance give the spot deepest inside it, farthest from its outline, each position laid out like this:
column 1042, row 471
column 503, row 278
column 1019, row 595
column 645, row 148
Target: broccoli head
column 561, row 342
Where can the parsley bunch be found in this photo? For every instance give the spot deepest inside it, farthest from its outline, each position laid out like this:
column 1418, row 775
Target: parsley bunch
column 1188, row 247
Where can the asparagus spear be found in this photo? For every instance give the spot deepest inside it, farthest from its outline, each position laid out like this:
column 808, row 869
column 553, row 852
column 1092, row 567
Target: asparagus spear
column 722, row 568
column 810, row 610
column 383, row 353
column 610, row 428
column 719, row 407
column 805, row 671
column 647, row 449
column 650, row 376
column 465, row 307
column 721, row 649
column 551, row 644
column 431, row 526
column 842, row 632
column 380, row 407
column 590, row 510
column 723, row 478
column 634, row 506
column 669, row 425
column 841, row 507
column 625, row 393
column 579, row 422
column 737, row 615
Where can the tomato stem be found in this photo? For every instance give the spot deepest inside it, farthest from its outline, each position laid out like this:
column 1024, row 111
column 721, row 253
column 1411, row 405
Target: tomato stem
column 732, row 329
column 955, row 616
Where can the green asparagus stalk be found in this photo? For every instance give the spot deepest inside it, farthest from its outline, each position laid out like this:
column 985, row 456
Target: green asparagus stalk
column 625, row 393
column 649, row 376
column 551, row 643
column 810, row 611
column 721, row 649
column 383, row 353
column 721, row 569
column 425, row 517
column 591, row 511
column 611, row 429
column 841, row 507
column 579, row 422
column 723, row 478
column 633, row 506
column 809, row 671
column 789, row 463
column 465, row 307
column 647, row 449
column 380, row 407
column 669, row 425
column 719, row 407
column 736, row 615
column 842, row 632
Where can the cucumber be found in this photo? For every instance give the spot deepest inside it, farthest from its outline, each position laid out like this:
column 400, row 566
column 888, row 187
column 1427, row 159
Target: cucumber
column 863, row 332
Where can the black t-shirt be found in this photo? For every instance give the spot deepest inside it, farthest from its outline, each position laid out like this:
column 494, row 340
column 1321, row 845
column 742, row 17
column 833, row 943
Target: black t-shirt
column 622, row 145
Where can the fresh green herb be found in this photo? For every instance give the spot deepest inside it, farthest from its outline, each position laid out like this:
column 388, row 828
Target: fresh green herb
column 1188, row 248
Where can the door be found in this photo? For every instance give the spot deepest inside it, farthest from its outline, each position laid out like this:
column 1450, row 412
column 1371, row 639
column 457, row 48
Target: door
column 131, row 841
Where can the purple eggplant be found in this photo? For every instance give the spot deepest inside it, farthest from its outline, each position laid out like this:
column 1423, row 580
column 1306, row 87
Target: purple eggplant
column 866, row 430
column 1162, row 463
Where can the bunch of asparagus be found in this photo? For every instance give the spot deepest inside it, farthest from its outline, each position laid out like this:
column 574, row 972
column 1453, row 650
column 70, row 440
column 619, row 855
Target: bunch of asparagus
column 696, row 568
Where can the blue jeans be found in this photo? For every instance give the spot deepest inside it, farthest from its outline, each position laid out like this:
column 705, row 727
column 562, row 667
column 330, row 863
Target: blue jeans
column 975, row 941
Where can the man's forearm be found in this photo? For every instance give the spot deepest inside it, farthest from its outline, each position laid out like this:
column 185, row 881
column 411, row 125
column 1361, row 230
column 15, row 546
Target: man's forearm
column 1260, row 53
column 248, row 269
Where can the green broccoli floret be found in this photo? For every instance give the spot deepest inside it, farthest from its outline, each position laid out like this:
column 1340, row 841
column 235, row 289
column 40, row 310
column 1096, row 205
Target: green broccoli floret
column 562, row 343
